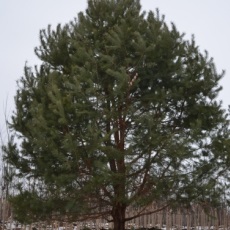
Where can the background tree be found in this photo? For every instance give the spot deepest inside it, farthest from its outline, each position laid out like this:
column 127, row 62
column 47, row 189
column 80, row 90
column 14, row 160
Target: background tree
column 122, row 112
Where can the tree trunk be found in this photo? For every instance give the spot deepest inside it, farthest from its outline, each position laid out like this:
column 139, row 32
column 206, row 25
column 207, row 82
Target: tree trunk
column 118, row 215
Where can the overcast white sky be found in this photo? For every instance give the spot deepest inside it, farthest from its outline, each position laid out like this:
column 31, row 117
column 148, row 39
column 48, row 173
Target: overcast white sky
column 21, row 20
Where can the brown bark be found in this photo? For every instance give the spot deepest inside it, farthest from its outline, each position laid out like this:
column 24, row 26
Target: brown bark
column 118, row 215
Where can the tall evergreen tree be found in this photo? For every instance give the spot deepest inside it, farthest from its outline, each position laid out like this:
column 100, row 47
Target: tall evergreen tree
column 122, row 112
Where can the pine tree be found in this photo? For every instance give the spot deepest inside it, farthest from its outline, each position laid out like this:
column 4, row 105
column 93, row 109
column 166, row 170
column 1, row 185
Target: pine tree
column 122, row 112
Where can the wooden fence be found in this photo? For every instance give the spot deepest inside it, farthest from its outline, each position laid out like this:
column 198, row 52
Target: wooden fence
column 168, row 219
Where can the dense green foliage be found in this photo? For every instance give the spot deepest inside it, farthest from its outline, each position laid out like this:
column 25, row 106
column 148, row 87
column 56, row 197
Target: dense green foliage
column 122, row 112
